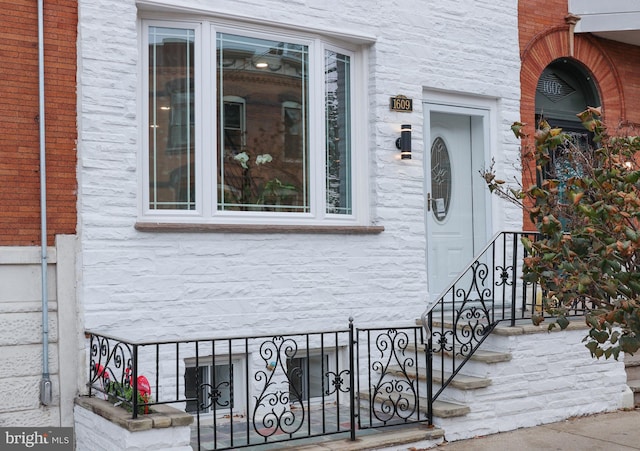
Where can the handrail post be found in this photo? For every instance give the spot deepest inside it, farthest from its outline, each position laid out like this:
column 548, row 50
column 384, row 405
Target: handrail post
column 352, row 406
column 514, row 278
column 427, row 325
column 429, row 352
column 352, row 365
column 134, row 393
column 91, row 366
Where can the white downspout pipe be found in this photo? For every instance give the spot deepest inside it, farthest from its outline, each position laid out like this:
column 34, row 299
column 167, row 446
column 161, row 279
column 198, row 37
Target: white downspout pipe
column 45, row 383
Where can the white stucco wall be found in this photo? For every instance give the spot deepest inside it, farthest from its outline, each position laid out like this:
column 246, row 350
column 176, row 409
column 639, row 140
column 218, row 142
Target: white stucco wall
column 152, row 285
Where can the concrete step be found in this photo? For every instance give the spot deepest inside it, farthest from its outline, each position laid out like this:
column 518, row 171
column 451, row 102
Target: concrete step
column 633, row 371
column 461, row 381
column 479, row 356
column 634, row 385
column 632, row 366
column 504, row 328
column 441, row 409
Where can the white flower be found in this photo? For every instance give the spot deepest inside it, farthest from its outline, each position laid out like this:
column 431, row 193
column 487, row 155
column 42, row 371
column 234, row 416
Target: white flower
column 242, row 157
column 264, row 158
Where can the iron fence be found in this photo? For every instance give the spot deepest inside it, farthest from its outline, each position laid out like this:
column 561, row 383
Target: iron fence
column 392, row 372
column 241, row 391
column 249, row 391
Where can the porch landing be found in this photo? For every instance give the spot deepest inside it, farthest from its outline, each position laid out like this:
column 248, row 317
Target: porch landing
column 367, row 439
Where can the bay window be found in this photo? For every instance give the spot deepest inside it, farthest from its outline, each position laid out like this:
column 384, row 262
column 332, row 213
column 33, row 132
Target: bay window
column 246, row 126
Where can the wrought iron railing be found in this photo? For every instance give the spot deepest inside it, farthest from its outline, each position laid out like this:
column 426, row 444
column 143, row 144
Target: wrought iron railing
column 392, row 370
column 250, row 391
column 242, row 391
column 489, row 291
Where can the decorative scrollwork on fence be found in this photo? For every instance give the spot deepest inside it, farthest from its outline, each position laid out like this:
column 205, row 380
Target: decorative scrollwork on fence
column 279, row 407
column 472, row 323
column 337, row 382
column 472, row 318
column 110, row 364
column 213, row 395
column 505, row 276
column 395, row 389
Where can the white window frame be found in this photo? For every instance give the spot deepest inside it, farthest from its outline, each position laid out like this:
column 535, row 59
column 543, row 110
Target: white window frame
column 206, row 211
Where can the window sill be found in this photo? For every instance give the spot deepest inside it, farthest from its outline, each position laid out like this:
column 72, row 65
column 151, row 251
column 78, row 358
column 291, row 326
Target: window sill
column 258, row 228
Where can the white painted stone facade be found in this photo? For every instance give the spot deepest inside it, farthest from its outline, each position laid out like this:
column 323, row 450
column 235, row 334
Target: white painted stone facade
column 550, row 377
column 194, row 284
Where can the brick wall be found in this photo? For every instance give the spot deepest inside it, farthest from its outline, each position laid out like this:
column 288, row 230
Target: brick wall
column 19, row 140
column 544, row 37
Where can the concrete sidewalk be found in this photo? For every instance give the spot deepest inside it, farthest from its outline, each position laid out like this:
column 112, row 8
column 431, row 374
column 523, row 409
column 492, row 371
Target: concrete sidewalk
column 613, row 431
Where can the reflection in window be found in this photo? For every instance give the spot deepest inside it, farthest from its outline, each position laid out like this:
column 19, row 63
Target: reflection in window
column 293, row 130
column 234, row 125
column 171, row 119
column 271, row 171
column 244, row 135
column 338, row 133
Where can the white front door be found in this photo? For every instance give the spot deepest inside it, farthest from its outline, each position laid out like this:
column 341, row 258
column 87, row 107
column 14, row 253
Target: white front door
column 456, row 207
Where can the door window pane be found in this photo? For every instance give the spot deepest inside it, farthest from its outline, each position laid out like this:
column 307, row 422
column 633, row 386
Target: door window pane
column 440, row 179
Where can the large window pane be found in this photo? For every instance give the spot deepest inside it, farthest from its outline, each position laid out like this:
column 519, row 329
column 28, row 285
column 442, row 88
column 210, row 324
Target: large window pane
column 263, row 117
column 171, row 119
column 338, row 129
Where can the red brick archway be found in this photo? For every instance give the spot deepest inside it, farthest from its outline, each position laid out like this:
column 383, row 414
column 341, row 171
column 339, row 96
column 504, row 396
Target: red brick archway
column 554, row 44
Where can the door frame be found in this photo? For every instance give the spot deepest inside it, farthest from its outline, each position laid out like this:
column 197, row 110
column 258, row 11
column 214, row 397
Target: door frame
column 483, row 131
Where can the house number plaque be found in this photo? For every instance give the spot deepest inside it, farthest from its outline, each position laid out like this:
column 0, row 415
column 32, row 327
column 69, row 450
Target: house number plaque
column 401, row 103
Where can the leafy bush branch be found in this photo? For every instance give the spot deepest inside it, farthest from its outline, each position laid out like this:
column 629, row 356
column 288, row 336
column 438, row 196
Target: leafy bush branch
column 586, row 206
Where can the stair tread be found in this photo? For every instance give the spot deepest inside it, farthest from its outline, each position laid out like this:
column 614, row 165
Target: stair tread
column 445, row 409
column 480, row 355
column 441, row 409
column 461, row 381
column 522, row 326
column 634, row 385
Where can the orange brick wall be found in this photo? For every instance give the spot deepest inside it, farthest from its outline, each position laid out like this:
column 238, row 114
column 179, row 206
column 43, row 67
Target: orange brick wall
column 544, row 37
column 19, row 135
